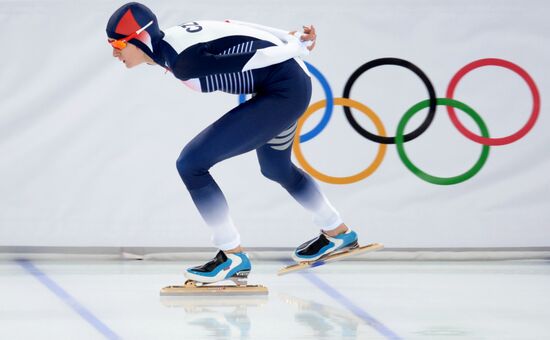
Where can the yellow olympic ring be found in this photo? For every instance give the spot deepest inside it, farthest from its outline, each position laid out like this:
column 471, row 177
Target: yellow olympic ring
column 340, row 180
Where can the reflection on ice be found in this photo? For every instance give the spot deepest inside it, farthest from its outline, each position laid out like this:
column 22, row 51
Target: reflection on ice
column 326, row 322
column 222, row 317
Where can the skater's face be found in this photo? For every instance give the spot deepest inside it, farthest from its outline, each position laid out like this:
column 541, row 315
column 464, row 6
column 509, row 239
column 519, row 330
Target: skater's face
column 130, row 55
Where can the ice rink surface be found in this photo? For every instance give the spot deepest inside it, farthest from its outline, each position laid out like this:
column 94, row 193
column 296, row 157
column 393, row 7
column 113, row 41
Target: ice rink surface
column 348, row 300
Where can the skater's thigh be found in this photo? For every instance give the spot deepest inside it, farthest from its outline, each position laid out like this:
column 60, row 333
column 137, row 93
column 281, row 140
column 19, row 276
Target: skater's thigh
column 246, row 127
column 277, row 151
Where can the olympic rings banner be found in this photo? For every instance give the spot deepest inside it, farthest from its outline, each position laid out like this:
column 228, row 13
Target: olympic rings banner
column 427, row 128
column 400, row 138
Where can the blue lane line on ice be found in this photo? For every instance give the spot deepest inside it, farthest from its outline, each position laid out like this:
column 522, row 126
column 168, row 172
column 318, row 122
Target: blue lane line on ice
column 352, row 307
column 68, row 299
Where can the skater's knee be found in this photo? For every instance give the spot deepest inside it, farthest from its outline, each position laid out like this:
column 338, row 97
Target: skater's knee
column 282, row 176
column 270, row 174
column 298, row 179
column 190, row 165
column 183, row 166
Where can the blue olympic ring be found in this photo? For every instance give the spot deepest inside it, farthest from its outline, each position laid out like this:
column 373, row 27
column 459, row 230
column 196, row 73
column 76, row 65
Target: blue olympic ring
column 328, row 109
column 242, row 98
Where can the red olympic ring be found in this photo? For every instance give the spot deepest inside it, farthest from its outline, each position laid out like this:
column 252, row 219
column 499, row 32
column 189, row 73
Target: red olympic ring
column 501, row 140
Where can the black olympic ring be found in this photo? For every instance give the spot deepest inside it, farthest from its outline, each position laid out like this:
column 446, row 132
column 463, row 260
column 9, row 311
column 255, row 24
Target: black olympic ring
column 397, row 62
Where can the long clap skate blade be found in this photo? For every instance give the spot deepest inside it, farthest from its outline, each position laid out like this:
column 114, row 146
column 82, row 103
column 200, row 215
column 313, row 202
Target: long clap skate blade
column 329, row 258
column 191, row 289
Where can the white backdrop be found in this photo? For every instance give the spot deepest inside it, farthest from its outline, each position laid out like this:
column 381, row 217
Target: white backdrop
column 88, row 148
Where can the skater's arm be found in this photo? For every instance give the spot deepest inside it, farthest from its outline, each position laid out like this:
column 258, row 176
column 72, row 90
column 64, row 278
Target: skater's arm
column 276, row 54
column 308, row 33
column 279, row 33
column 199, row 62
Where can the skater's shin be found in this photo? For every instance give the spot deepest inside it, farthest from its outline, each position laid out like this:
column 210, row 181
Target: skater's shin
column 213, row 208
column 309, row 195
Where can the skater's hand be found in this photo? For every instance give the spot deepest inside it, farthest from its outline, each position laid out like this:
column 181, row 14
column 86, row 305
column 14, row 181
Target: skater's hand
column 308, row 35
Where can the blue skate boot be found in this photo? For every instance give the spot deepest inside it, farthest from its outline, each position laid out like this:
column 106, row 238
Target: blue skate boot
column 234, row 267
column 324, row 245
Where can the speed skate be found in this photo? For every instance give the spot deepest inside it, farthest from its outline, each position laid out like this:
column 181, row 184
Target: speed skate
column 337, row 256
column 210, row 278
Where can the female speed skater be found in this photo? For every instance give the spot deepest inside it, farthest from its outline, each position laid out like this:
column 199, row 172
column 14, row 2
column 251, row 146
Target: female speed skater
column 238, row 58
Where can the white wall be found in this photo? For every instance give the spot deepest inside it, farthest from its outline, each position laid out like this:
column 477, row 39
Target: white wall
column 88, row 148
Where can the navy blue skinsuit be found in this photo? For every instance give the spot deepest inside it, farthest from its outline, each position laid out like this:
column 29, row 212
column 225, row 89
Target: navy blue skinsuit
column 210, row 56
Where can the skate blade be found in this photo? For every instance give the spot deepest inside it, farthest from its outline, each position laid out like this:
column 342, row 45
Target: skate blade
column 191, row 288
column 329, row 258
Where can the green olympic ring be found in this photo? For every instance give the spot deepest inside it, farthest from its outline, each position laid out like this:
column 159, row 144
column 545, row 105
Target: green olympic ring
column 399, row 142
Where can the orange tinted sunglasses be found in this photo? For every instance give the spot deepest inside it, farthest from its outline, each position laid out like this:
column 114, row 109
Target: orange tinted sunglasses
column 120, row 44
